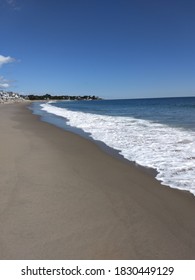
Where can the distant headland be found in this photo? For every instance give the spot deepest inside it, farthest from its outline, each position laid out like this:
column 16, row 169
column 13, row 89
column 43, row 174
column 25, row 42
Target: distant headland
column 62, row 97
column 7, row 97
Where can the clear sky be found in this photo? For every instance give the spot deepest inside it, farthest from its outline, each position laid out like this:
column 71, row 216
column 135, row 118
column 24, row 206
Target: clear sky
column 109, row 48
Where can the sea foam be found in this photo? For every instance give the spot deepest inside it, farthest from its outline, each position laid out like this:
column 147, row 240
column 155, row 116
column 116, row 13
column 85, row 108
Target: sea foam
column 169, row 150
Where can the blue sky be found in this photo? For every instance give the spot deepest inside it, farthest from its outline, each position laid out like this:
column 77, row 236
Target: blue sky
column 109, row 48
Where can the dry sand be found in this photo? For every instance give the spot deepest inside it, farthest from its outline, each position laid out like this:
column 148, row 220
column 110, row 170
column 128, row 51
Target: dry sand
column 62, row 197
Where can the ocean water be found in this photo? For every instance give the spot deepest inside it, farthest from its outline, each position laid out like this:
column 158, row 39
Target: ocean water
column 155, row 133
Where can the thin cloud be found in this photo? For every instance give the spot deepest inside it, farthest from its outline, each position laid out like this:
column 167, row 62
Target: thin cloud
column 13, row 4
column 4, row 83
column 10, row 2
column 5, row 60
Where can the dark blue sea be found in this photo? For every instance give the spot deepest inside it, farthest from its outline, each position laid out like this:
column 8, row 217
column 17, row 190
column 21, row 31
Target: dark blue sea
column 156, row 133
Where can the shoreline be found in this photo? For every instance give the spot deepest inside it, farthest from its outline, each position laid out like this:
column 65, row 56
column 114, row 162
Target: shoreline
column 63, row 197
column 103, row 146
column 148, row 139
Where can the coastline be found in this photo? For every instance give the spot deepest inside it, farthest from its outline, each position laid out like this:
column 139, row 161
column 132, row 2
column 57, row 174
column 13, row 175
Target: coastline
column 63, row 197
column 103, row 146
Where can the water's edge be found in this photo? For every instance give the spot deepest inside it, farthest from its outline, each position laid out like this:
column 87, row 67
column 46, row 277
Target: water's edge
column 105, row 148
column 61, row 122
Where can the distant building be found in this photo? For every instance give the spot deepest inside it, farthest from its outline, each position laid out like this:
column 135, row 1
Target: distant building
column 9, row 96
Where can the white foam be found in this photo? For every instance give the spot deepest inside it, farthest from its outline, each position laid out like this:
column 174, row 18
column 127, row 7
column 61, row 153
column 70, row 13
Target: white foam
column 171, row 151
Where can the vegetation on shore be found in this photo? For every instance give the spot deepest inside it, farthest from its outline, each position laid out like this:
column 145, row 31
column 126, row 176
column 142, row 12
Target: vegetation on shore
column 6, row 96
column 61, row 97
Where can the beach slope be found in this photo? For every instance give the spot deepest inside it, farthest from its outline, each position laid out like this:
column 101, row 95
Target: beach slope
column 62, row 197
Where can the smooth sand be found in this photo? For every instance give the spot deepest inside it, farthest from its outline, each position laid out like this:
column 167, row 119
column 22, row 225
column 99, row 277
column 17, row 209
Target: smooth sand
column 62, row 197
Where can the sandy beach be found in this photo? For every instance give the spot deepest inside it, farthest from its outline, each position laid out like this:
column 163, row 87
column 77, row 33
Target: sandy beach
column 62, row 197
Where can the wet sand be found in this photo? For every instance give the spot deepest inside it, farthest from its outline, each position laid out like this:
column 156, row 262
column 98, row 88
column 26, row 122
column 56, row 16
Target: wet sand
column 62, row 197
